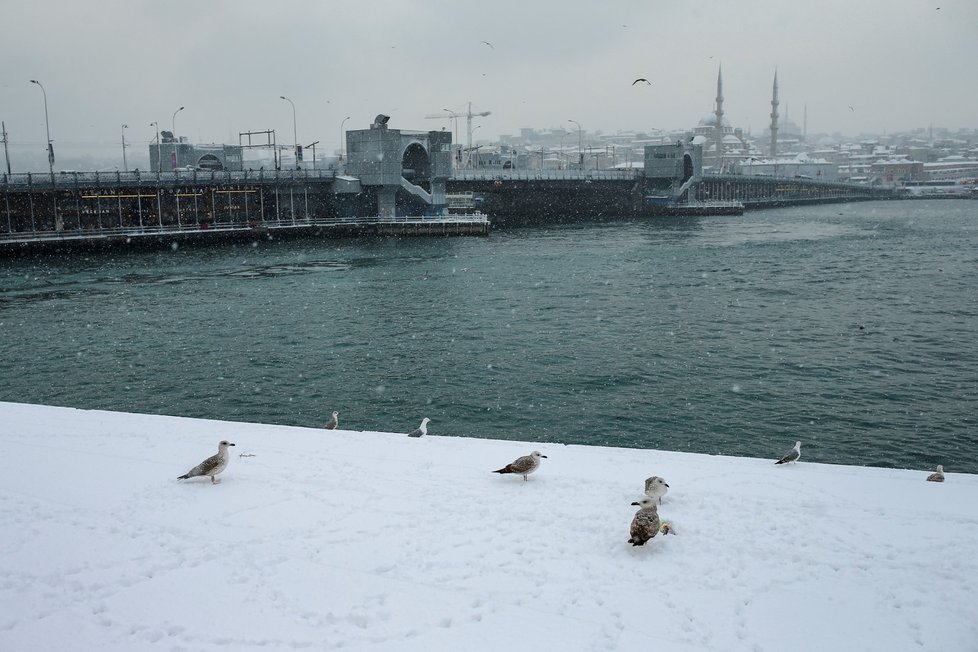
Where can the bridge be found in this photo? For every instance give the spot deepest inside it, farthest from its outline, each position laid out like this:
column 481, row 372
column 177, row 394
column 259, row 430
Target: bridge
column 395, row 181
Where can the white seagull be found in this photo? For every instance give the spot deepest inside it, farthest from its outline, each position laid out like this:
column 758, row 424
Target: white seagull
column 792, row 455
column 333, row 421
column 422, row 429
column 212, row 465
column 937, row 476
column 656, row 487
column 523, row 465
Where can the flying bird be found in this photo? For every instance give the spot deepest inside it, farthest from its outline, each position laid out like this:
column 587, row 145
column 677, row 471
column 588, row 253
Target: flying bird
column 792, row 455
column 646, row 524
column 422, row 429
column 851, row 109
column 488, row 43
column 642, row 79
column 523, row 465
column 937, row 476
column 656, row 487
column 333, row 421
column 212, row 465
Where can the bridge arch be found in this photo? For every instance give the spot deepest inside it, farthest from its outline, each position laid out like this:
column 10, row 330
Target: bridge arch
column 415, row 163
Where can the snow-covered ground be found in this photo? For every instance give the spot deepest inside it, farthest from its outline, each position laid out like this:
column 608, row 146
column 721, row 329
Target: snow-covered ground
column 375, row 541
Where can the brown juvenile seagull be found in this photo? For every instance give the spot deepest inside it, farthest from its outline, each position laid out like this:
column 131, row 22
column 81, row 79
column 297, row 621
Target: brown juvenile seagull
column 212, row 465
column 792, row 455
column 333, row 421
column 646, row 524
column 422, row 429
column 937, row 476
column 523, row 465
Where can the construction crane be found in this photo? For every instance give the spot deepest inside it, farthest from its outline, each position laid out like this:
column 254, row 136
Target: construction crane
column 452, row 115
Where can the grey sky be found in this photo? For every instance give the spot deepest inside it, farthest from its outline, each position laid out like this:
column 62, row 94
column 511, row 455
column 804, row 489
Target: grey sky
column 899, row 64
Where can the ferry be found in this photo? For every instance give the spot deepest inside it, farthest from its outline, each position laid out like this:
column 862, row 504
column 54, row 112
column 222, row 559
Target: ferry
column 944, row 188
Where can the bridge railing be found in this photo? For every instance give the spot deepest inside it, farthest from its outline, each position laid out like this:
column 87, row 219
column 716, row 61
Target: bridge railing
column 72, row 180
column 544, row 175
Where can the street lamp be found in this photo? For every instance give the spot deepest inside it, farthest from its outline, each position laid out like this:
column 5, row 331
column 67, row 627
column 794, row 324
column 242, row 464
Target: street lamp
column 173, row 133
column 125, row 165
column 295, row 138
column 158, row 148
column 580, row 145
column 476, row 149
column 313, row 146
column 47, row 128
column 455, row 118
column 342, row 133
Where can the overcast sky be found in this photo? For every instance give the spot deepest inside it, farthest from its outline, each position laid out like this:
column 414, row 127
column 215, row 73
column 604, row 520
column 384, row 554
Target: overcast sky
column 898, row 64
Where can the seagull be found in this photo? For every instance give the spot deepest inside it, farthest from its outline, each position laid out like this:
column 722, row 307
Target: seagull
column 937, row 476
column 645, row 523
column 792, row 455
column 850, row 108
column 212, row 465
column 523, row 465
column 333, row 421
column 488, row 43
column 656, row 487
column 422, row 429
column 642, row 79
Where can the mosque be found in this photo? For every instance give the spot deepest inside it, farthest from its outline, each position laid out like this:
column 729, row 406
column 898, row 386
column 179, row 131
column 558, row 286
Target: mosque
column 723, row 145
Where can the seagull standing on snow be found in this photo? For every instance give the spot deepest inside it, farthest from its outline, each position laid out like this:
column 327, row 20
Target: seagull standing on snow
column 523, row 465
column 792, row 455
column 422, row 429
column 333, row 421
column 645, row 523
column 937, row 476
column 656, row 487
column 212, row 465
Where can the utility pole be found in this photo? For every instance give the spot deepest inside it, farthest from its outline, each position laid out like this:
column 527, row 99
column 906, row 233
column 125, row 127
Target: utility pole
column 6, row 152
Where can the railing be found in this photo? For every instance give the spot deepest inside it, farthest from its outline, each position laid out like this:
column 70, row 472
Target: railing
column 544, row 175
column 226, row 227
column 72, row 180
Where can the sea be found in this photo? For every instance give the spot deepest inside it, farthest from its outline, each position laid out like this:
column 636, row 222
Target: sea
column 852, row 328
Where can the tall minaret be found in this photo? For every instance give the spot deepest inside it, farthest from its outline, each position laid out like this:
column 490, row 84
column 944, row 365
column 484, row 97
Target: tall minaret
column 774, row 117
column 719, row 114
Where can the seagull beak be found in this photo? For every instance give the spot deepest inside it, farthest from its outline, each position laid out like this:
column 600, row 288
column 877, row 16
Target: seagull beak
column 544, row 456
column 230, row 444
column 667, row 486
column 635, row 503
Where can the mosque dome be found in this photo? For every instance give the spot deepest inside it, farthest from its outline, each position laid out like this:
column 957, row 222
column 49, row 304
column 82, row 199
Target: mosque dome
column 710, row 120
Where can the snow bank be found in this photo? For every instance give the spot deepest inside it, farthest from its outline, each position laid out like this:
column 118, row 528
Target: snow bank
column 374, row 541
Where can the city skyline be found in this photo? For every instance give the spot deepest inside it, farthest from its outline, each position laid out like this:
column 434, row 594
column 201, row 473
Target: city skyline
column 869, row 67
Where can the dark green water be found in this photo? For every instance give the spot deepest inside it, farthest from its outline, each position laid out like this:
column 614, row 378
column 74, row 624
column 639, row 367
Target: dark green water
column 853, row 328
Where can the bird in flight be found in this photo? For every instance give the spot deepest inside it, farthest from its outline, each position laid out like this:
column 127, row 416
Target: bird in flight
column 488, row 43
column 642, row 79
column 850, row 108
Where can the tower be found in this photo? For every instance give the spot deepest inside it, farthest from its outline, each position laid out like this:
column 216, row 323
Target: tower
column 718, row 138
column 774, row 117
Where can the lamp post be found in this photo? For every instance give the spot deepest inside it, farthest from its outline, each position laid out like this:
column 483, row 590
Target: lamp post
column 580, row 145
column 342, row 139
column 125, row 165
column 173, row 131
column 47, row 127
column 295, row 138
column 475, row 149
column 158, row 147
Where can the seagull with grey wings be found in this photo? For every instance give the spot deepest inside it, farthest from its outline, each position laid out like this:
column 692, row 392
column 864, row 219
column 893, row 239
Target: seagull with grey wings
column 421, row 430
column 523, row 465
column 333, row 421
column 212, row 465
column 937, row 476
column 792, row 455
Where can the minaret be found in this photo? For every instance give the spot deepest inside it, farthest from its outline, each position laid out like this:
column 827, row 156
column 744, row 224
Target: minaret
column 804, row 124
column 719, row 114
column 774, row 118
